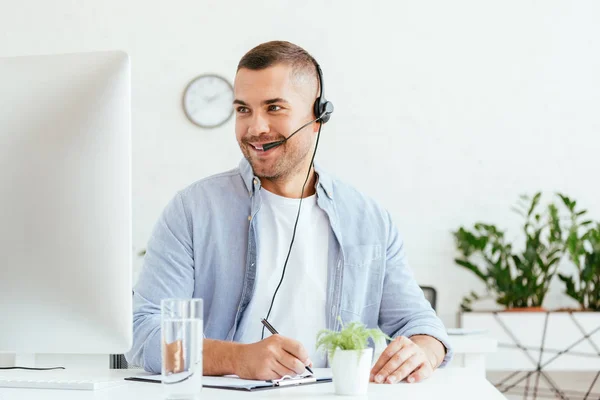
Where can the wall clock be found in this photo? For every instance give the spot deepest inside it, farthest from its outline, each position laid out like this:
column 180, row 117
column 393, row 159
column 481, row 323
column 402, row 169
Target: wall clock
column 208, row 100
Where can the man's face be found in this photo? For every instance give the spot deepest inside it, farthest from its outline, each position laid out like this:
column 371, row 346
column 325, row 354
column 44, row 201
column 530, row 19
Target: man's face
column 270, row 104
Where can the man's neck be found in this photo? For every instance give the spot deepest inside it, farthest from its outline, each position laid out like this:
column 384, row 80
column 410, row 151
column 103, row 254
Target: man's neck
column 291, row 186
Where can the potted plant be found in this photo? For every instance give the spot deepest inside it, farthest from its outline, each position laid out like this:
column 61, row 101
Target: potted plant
column 518, row 280
column 583, row 247
column 349, row 356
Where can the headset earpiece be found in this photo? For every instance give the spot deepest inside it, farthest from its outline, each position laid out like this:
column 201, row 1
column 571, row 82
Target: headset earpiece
column 322, row 108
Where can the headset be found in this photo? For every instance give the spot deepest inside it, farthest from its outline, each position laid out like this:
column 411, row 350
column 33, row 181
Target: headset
column 322, row 110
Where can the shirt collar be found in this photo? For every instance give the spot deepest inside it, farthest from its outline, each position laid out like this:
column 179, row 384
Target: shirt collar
column 247, row 175
column 252, row 182
column 325, row 181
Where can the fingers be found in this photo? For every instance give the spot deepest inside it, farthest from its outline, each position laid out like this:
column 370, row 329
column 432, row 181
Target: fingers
column 390, row 350
column 296, row 349
column 421, row 373
column 281, row 369
column 404, row 370
column 402, row 359
column 397, row 352
column 285, row 356
column 291, row 363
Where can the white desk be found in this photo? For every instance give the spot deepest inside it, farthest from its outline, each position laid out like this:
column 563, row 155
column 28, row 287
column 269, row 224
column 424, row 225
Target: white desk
column 470, row 351
column 460, row 383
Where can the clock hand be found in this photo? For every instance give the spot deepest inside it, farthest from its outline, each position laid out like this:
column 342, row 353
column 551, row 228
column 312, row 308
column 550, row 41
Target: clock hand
column 211, row 98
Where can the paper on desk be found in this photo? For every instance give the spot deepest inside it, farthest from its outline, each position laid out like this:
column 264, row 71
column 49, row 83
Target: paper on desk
column 233, row 381
column 228, row 381
column 156, row 378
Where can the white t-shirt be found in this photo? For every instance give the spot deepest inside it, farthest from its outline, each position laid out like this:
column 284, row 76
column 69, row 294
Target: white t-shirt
column 299, row 308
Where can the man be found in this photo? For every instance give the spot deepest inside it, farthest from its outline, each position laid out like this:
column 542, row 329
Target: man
column 226, row 239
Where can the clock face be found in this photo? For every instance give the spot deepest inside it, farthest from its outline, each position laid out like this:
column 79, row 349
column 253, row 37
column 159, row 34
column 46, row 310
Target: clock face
column 208, row 101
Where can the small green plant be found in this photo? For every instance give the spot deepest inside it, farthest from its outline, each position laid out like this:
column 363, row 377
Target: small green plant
column 354, row 336
column 583, row 246
column 515, row 279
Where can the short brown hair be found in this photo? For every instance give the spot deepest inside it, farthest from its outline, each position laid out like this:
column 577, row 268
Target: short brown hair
column 268, row 54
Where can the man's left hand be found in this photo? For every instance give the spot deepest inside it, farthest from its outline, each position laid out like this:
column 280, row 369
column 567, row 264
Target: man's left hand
column 413, row 359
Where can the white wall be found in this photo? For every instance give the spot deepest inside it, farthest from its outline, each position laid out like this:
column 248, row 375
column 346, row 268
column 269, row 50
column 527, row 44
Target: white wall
column 445, row 111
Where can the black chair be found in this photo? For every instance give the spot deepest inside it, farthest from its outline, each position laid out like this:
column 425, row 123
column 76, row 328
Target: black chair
column 430, row 294
column 118, row 361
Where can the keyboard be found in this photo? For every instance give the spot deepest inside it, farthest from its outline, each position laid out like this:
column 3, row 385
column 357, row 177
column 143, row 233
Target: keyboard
column 73, row 384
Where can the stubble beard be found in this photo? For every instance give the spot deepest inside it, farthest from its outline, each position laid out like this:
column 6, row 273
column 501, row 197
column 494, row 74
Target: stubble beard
column 285, row 165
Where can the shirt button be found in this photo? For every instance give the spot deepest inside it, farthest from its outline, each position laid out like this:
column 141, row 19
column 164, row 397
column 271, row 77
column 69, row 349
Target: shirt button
column 255, row 181
column 249, row 217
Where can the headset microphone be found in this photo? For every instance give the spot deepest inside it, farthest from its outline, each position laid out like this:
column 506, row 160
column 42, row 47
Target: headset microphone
column 268, row 146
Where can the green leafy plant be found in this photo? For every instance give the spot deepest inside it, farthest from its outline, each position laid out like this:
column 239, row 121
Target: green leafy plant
column 354, row 336
column 515, row 279
column 583, row 246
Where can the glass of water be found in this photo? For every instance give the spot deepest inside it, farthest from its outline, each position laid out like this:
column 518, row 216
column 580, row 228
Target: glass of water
column 182, row 338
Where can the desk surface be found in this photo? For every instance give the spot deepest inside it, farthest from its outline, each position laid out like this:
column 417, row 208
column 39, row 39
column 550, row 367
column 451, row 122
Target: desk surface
column 455, row 383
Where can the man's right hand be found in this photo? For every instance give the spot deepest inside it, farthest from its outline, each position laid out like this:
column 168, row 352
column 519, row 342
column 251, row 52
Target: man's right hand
column 271, row 358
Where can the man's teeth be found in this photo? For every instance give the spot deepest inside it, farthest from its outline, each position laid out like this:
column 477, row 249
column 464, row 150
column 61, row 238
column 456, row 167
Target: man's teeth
column 259, row 147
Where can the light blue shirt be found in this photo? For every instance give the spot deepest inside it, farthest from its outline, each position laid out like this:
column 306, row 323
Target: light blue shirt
column 204, row 245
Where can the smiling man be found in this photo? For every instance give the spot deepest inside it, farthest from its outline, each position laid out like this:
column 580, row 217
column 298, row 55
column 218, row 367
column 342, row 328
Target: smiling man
column 228, row 239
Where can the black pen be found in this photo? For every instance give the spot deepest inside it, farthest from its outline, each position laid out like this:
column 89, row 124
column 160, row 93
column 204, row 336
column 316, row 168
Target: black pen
column 274, row 332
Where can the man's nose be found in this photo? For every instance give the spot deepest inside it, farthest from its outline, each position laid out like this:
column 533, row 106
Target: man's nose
column 258, row 125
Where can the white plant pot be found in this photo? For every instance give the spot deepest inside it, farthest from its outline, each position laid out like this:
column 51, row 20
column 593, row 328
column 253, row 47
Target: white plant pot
column 351, row 370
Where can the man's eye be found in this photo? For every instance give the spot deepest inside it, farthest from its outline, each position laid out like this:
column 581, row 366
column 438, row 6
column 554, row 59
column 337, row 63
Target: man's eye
column 273, row 107
column 242, row 110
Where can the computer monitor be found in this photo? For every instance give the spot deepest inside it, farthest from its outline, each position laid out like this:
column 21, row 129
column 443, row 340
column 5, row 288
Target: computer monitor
column 65, row 204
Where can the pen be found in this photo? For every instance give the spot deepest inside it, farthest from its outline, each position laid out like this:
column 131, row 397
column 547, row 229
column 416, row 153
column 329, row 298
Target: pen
column 274, row 332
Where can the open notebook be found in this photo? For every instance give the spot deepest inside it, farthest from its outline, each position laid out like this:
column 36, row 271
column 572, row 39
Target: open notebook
column 232, row 382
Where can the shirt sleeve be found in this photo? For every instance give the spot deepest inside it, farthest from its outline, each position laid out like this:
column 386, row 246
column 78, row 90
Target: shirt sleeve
column 404, row 309
column 167, row 272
